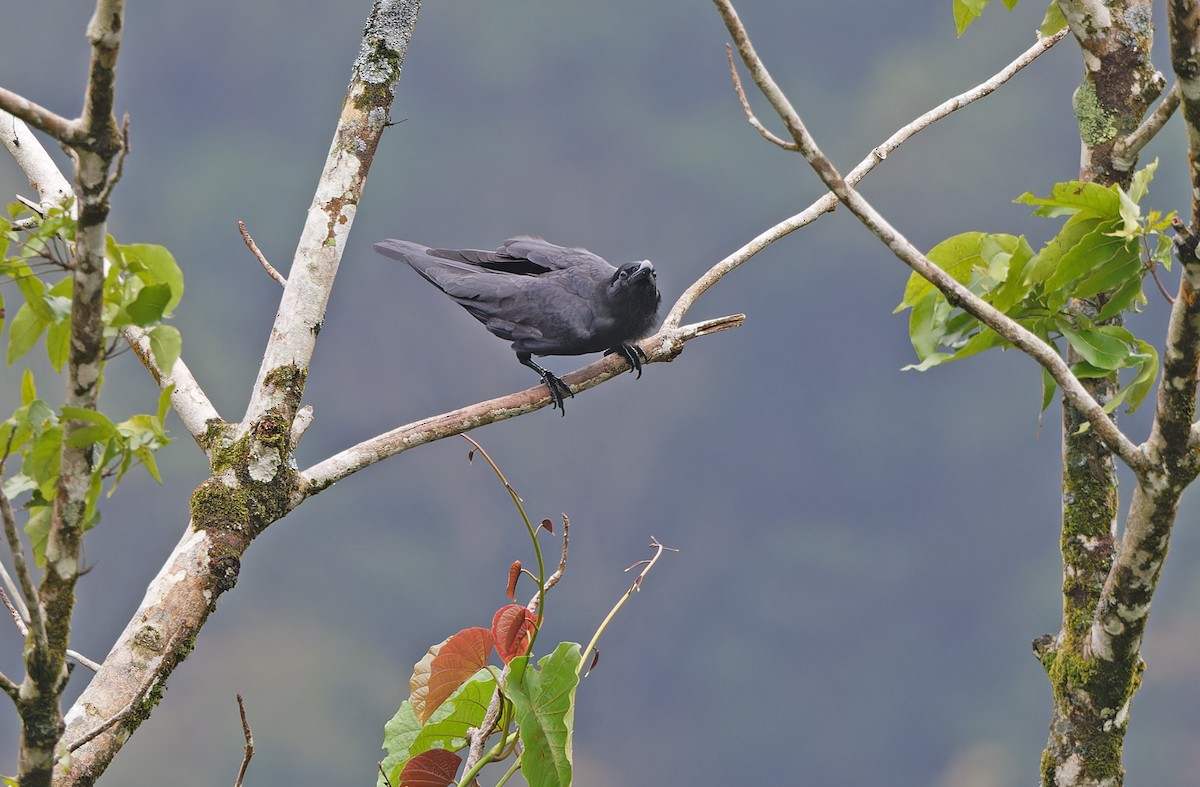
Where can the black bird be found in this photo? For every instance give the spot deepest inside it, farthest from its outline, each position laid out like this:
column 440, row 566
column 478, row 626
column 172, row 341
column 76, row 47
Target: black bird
column 545, row 299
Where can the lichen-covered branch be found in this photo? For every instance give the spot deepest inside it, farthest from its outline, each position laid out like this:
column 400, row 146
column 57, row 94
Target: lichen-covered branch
column 331, row 215
column 97, row 142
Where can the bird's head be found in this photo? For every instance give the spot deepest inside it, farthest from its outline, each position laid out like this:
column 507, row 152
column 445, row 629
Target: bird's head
column 633, row 279
column 634, row 297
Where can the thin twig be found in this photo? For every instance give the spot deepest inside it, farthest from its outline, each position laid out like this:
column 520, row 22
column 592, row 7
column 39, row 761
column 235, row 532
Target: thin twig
column 33, row 606
column 249, row 737
column 6, row 579
column 258, row 255
column 647, row 564
column 23, row 628
column 114, row 177
column 478, row 736
column 958, row 294
column 553, row 579
column 116, row 717
column 828, row 202
column 737, row 85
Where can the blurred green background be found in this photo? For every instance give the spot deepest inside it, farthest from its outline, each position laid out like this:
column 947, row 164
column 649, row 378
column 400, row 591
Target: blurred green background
column 865, row 555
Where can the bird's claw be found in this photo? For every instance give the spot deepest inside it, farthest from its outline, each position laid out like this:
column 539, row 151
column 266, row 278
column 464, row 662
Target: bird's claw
column 633, row 354
column 557, row 388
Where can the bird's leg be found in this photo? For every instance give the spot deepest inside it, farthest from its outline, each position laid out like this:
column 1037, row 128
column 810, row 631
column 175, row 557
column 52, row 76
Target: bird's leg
column 556, row 386
column 631, row 353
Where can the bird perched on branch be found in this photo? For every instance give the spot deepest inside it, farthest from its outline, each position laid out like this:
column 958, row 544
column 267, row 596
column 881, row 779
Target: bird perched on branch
column 545, row 299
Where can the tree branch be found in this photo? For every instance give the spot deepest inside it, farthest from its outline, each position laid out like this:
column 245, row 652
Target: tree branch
column 43, row 175
column 665, row 345
column 310, row 279
column 1126, row 151
column 37, row 116
column 829, row 201
column 956, row 293
column 188, row 399
column 207, row 560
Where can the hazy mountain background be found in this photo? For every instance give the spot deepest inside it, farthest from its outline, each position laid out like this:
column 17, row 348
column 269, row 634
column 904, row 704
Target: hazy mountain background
column 865, row 555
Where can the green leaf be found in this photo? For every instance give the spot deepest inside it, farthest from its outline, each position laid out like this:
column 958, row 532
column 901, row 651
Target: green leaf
column 34, row 291
column 1147, row 374
column 1047, row 260
column 148, row 307
column 966, row 12
column 544, row 704
column 398, row 736
column 1089, row 253
column 1052, row 22
column 37, row 527
column 164, row 404
column 1124, row 266
column 99, row 431
column 930, row 361
column 1140, row 185
column 1099, row 349
column 956, row 255
column 165, row 346
column 28, row 389
column 404, row 737
column 23, row 332
column 462, row 710
column 153, row 264
column 1124, row 297
column 1016, row 284
column 58, row 344
column 1048, row 389
column 1076, row 196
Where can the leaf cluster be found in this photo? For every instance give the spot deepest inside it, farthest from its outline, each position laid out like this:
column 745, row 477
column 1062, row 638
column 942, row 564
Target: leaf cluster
column 967, row 11
column 1101, row 254
column 36, row 434
column 142, row 284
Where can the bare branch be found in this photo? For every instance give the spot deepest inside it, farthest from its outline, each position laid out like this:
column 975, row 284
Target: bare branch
column 38, row 116
column 1126, row 151
column 663, row 346
column 258, row 255
column 754, row 121
column 32, row 605
column 43, row 175
column 19, row 621
column 249, row 738
column 828, row 202
column 956, row 293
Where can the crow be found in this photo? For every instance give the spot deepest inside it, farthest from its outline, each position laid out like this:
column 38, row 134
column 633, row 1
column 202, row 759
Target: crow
column 545, row 299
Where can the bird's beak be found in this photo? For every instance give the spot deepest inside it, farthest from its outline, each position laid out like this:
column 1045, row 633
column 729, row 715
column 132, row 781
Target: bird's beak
column 645, row 268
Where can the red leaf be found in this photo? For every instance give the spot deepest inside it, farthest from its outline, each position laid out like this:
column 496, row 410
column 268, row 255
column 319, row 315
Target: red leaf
column 595, row 661
column 514, row 573
column 434, row 768
column 459, row 658
column 512, row 629
column 546, row 523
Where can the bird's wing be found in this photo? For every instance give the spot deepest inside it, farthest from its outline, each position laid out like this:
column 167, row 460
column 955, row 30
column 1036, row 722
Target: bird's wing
column 553, row 257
